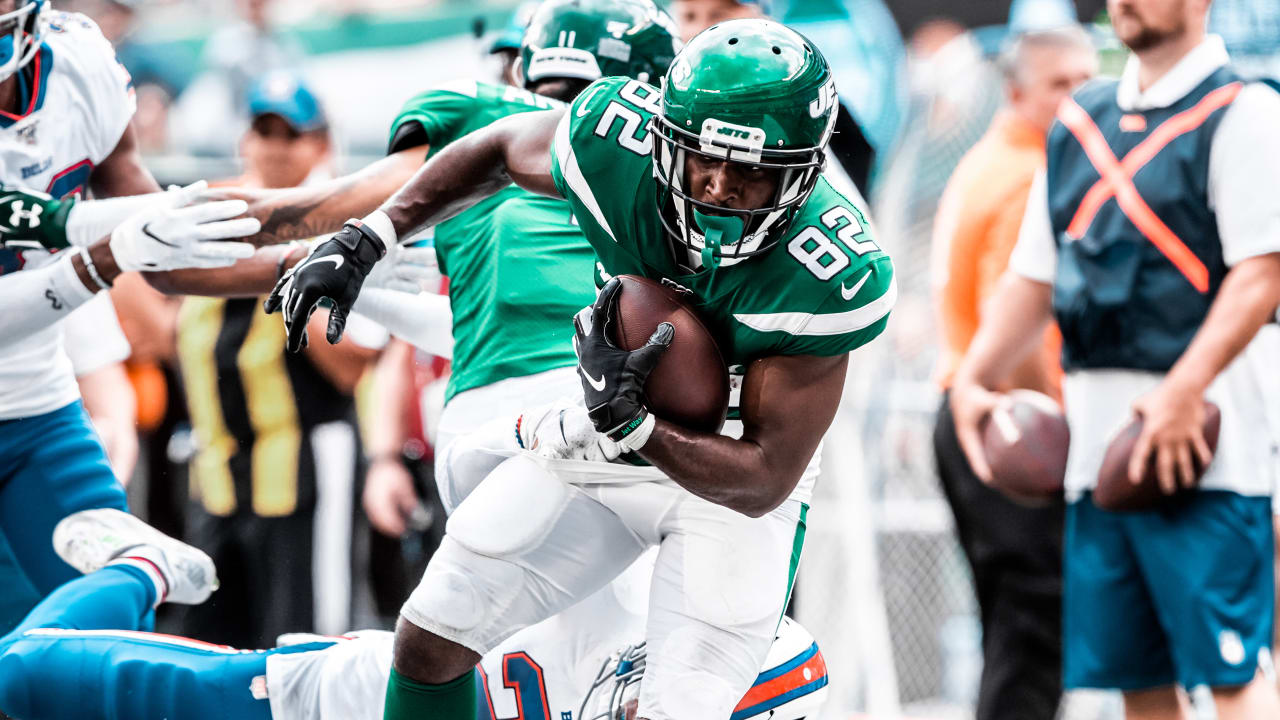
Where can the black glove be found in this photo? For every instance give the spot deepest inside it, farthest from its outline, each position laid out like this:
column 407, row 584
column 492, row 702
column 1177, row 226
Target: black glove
column 613, row 379
column 335, row 269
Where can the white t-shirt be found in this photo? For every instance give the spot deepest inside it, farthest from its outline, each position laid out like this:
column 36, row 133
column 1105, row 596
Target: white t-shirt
column 1244, row 175
column 87, row 104
column 348, row 680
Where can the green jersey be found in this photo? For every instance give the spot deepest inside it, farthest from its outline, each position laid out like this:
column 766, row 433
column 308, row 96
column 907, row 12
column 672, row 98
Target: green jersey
column 518, row 266
column 825, row 289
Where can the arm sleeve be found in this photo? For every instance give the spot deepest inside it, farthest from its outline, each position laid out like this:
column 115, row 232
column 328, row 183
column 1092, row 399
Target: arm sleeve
column 35, row 299
column 424, row 320
column 94, row 338
column 89, row 222
column 838, row 326
column 1244, row 174
column 1035, row 257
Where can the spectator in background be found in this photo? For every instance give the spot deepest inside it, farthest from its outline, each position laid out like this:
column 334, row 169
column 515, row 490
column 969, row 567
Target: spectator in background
column 278, row 452
column 1015, row 551
column 212, row 112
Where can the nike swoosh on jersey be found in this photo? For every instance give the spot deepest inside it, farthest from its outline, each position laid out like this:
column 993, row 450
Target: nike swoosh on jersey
column 849, row 293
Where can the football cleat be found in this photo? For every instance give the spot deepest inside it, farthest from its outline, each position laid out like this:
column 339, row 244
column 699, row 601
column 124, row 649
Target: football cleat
column 791, row 686
column 90, row 539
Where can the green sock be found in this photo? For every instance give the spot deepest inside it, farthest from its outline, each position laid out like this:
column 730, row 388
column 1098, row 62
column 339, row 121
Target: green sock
column 411, row 700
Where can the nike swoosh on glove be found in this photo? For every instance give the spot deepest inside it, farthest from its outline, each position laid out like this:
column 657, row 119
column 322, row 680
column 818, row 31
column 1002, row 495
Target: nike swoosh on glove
column 336, row 270
column 173, row 233
column 612, row 378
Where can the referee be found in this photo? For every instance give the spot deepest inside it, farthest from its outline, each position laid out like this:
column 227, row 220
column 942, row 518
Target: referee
column 1153, row 237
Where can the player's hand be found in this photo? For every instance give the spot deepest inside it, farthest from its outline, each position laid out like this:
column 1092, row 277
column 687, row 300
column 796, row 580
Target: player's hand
column 406, row 269
column 563, row 431
column 173, row 233
column 970, row 405
column 612, row 378
column 1172, row 430
column 389, row 498
column 336, row 269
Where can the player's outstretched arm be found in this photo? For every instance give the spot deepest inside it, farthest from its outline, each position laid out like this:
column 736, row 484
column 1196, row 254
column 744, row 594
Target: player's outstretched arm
column 515, row 149
column 169, row 233
column 305, row 212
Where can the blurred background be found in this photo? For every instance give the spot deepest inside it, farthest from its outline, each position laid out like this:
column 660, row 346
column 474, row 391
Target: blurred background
column 885, row 588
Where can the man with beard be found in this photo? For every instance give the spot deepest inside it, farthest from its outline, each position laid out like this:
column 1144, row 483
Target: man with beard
column 1154, row 238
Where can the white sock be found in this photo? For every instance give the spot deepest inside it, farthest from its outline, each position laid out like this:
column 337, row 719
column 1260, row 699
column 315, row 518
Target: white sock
column 150, row 560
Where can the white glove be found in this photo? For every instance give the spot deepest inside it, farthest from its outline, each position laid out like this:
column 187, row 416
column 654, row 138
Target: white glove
column 174, row 234
column 405, row 269
column 563, row 431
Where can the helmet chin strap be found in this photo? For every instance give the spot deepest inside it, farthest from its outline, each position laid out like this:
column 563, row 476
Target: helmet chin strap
column 718, row 231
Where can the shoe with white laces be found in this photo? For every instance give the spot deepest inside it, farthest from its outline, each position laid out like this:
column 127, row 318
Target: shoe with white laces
column 92, row 539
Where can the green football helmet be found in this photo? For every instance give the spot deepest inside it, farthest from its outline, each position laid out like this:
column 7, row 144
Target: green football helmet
column 745, row 91
column 591, row 39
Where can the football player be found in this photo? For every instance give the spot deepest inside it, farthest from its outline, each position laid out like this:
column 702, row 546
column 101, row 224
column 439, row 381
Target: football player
column 83, row 641
column 712, row 183
column 65, row 109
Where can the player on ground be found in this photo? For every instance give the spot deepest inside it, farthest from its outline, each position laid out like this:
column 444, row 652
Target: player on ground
column 82, row 640
column 713, row 184
column 65, row 109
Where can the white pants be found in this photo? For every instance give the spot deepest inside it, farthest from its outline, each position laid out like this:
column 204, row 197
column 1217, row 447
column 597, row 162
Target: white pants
column 493, row 407
column 526, row 544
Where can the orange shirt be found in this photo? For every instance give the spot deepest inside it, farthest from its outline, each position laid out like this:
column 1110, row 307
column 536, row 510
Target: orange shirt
column 974, row 233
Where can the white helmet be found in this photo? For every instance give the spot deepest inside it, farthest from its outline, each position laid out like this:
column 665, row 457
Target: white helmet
column 792, row 685
column 21, row 33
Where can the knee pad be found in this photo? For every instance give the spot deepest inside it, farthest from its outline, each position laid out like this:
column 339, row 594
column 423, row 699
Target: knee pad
column 511, row 512
column 462, row 596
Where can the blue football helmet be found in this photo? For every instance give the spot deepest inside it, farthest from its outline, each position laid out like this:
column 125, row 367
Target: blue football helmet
column 792, row 685
column 21, row 33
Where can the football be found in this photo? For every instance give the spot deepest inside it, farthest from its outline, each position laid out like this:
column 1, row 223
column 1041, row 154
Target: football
column 1115, row 492
column 690, row 386
column 1026, row 443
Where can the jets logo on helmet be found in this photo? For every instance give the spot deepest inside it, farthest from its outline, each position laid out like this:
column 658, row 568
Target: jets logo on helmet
column 777, row 118
column 591, row 39
column 792, row 685
column 21, row 34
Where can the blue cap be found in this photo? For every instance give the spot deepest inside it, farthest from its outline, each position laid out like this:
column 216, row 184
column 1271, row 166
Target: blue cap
column 285, row 94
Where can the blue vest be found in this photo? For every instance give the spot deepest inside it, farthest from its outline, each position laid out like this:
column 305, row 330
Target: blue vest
column 1136, row 271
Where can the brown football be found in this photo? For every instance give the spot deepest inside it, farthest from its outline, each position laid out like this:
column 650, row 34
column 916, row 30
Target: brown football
column 1026, row 443
column 690, row 385
column 1115, row 492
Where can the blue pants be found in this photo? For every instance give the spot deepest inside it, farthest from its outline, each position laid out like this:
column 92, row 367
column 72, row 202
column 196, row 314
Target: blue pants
column 1182, row 594
column 51, row 466
column 78, row 656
